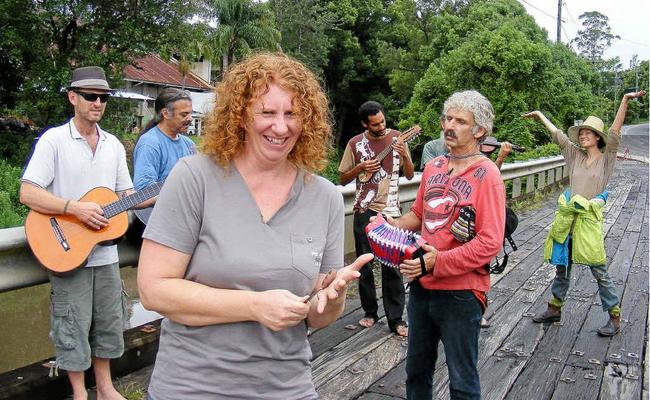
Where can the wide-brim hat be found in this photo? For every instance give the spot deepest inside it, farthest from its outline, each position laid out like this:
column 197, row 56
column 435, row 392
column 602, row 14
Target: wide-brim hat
column 592, row 123
column 89, row 78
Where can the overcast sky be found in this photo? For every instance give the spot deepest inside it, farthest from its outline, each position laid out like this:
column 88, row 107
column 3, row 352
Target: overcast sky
column 628, row 19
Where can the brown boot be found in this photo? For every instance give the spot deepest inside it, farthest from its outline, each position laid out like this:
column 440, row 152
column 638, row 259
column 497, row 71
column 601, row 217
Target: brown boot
column 612, row 327
column 552, row 314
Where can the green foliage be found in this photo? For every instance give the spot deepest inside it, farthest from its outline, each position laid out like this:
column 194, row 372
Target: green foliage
column 546, row 150
column 118, row 117
column 16, row 139
column 595, row 38
column 331, row 172
column 303, row 25
column 498, row 50
column 12, row 213
column 63, row 35
column 242, row 25
column 408, row 54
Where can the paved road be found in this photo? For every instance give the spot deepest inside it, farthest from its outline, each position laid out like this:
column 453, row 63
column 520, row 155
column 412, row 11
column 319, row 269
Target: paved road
column 635, row 138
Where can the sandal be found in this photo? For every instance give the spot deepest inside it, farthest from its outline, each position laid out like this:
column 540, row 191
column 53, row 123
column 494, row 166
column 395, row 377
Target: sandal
column 484, row 323
column 367, row 322
column 401, row 329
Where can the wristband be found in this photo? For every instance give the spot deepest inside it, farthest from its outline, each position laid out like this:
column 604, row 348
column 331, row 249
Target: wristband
column 65, row 207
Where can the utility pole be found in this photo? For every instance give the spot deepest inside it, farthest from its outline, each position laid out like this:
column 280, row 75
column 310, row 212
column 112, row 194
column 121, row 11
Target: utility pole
column 559, row 21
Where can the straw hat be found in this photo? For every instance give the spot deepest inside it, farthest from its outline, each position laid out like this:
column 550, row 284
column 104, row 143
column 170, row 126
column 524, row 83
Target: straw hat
column 592, row 123
column 89, row 78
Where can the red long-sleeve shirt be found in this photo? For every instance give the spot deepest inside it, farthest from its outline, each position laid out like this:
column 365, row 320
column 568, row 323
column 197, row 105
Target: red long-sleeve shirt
column 459, row 265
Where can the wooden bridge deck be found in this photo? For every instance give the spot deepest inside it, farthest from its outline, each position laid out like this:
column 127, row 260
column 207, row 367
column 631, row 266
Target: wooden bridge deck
column 520, row 359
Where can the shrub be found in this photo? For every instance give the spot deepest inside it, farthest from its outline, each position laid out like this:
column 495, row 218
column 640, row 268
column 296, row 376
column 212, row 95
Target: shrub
column 12, row 213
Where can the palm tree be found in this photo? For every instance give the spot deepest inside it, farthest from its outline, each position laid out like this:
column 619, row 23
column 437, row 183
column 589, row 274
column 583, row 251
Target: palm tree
column 242, row 26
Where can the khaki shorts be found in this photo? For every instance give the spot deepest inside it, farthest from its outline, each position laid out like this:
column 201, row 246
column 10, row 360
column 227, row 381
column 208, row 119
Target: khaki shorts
column 87, row 316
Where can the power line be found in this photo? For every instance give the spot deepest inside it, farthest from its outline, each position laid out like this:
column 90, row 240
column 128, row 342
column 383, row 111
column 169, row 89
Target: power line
column 566, row 35
column 566, row 8
column 632, row 41
column 540, row 10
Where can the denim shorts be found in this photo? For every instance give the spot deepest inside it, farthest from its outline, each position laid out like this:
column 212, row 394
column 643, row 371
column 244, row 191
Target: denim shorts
column 87, row 316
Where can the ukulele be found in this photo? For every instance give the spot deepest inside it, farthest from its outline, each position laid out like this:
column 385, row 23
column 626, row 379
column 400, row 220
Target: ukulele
column 405, row 136
column 62, row 243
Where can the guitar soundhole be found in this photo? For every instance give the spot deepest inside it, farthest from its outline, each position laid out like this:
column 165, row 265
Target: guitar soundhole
column 58, row 233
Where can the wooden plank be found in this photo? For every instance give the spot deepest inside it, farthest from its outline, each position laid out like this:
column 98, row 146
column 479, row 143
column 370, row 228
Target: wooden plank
column 376, row 396
column 540, row 374
column 634, row 298
column 508, row 299
column 500, row 337
column 393, row 384
column 578, row 383
column 527, row 241
column 324, row 339
column 646, row 365
column 355, row 378
column 588, row 344
column 621, row 382
column 529, row 384
column 347, row 353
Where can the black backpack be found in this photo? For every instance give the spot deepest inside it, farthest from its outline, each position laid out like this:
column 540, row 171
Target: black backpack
column 511, row 225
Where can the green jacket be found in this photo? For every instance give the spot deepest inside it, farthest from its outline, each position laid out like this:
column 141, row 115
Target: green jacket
column 583, row 219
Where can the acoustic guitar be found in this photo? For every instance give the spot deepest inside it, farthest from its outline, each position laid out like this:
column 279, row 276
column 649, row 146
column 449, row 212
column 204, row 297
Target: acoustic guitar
column 62, row 243
column 405, row 136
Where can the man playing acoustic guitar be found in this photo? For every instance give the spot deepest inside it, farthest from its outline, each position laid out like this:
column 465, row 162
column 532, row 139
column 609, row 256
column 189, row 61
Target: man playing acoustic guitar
column 377, row 192
column 68, row 161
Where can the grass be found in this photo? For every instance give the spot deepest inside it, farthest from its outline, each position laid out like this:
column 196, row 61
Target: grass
column 133, row 392
column 534, row 200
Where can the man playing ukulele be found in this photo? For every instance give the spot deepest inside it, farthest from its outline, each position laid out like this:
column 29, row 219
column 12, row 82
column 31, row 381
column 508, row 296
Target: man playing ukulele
column 374, row 192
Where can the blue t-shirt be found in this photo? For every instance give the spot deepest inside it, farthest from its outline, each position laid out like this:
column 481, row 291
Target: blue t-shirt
column 155, row 155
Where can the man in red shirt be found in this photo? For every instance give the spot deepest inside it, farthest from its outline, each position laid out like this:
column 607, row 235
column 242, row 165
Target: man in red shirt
column 460, row 211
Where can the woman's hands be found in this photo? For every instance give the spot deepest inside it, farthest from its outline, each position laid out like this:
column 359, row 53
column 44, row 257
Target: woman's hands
column 634, row 95
column 280, row 309
column 533, row 114
column 339, row 283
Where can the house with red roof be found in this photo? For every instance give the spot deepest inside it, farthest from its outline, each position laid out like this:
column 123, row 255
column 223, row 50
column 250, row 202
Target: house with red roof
column 147, row 76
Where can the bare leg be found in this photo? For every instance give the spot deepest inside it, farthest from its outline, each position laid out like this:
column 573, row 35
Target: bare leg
column 105, row 388
column 78, row 385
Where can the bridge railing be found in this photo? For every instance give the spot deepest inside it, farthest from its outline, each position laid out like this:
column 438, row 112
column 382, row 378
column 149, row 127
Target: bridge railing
column 19, row 269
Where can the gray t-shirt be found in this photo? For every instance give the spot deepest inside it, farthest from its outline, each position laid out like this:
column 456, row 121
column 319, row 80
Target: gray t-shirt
column 209, row 212
column 433, row 149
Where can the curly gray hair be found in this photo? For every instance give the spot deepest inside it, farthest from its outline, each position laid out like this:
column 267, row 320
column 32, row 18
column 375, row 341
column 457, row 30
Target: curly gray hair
column 475, row 103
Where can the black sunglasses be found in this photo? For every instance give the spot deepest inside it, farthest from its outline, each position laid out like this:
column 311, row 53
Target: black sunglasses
column 92, row 97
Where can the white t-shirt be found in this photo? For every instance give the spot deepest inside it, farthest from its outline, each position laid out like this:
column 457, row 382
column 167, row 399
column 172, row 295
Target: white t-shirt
column 64, row 165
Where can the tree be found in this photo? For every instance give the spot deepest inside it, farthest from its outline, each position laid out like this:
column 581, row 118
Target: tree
column 595, row 38
column 496, row 48
column 65, row 35
column 241, row 27
column 304, row 26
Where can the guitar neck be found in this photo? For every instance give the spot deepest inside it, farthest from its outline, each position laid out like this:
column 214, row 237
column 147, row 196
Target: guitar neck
column 406, row 134
column 132, row 200
column 384, row 153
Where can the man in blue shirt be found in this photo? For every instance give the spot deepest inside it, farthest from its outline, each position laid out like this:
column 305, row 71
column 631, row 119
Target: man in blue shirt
column 163, row 142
